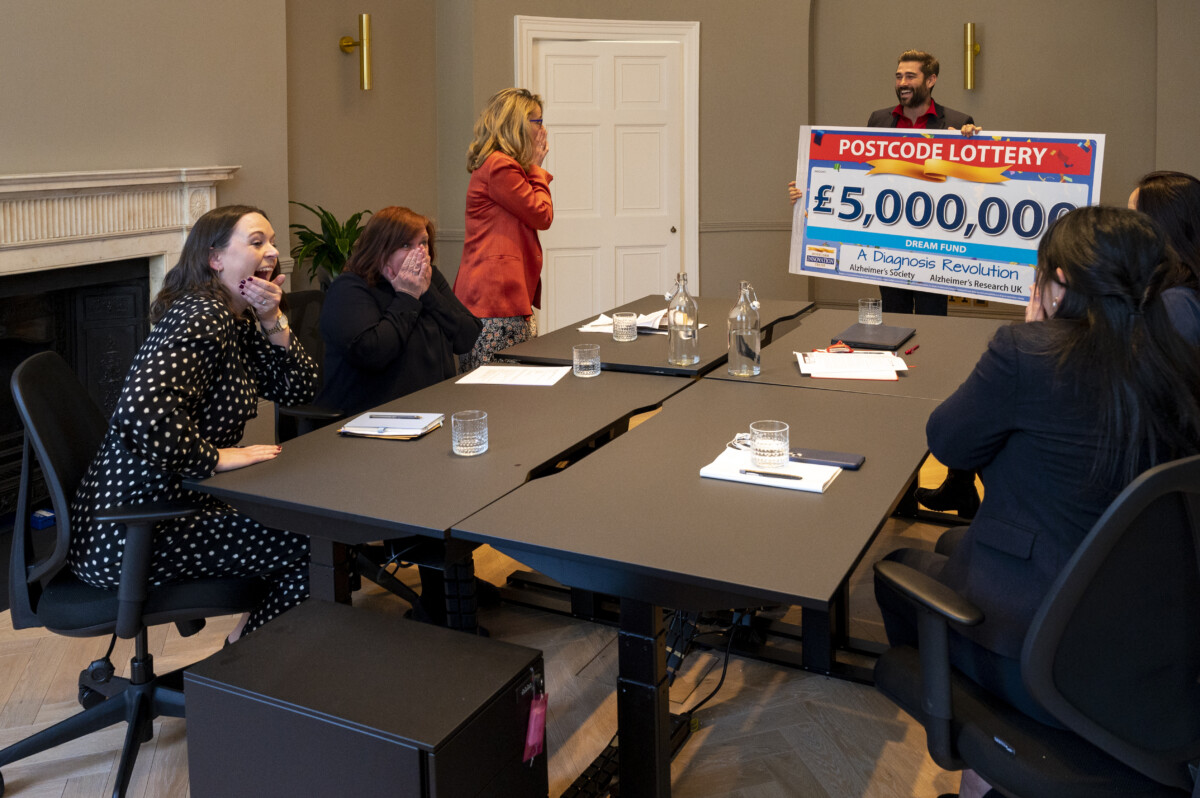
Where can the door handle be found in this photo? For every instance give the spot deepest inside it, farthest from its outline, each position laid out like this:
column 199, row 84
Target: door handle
column 672, row 228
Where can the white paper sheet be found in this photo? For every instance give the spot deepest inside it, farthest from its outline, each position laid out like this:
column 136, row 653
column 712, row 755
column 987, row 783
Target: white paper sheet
column 647, row 324
column 514, row 375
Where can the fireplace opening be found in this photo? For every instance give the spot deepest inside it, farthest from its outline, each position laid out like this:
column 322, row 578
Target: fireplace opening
column 94, row 316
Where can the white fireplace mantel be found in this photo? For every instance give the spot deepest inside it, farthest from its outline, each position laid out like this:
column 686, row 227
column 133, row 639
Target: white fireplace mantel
column 64, row 219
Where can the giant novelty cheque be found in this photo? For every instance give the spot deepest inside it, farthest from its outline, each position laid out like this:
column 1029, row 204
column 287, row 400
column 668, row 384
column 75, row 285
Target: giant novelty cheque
column 933, row 210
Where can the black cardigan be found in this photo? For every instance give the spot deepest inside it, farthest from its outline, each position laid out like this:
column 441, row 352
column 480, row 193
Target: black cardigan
column 381, row 344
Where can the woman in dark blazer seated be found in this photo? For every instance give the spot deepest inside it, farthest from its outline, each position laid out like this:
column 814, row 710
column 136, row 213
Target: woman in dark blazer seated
column 1058, row 416
column 1172, row 199
column 390, row 322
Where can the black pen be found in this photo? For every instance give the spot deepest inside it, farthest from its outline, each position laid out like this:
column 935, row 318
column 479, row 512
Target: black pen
column 395, row 415
column 779, row 475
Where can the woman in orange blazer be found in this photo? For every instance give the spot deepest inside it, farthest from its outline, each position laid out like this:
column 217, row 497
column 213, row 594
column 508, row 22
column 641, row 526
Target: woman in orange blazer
column 508, row 200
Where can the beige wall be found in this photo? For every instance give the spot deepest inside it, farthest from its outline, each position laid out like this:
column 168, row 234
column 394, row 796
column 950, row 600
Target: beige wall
column 139, row 83
column 350, row 149
column 753, row 92
column 142, row 83
column 1178, row 112
column 456, row 112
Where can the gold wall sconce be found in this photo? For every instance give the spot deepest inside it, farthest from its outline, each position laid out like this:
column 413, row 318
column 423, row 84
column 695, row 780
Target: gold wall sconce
column 971, row 49
column 347, row 45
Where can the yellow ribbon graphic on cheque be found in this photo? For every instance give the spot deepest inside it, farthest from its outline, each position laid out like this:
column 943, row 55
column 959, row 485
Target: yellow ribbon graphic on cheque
column 936, row 170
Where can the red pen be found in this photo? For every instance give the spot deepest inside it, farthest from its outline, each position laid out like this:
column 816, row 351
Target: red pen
column 914, row 349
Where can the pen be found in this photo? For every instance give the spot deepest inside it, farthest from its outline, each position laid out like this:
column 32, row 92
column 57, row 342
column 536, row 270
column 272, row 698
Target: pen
column 768, row 474
column 395, row 415
column 912, row 349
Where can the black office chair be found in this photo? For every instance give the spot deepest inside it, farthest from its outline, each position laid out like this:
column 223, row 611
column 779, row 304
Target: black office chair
column 63, row 429
column 1113, row 654
column 303, row 309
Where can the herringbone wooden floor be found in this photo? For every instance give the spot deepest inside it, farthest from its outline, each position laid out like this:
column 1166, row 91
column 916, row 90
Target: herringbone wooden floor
column 770, row 731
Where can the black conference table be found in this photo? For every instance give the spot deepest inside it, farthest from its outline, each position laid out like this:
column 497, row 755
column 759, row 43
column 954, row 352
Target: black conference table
column 344, row 490
column 948, row 348
column 676, row 539
column 648, row 354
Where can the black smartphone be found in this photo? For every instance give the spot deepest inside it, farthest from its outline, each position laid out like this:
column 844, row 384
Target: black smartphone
column 850, row 462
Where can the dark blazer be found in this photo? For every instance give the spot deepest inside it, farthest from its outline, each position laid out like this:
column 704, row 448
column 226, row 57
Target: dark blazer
column 1031, row 432
column 1183, row 307
column 946, row 118
column 381, row 344
column 500, row 274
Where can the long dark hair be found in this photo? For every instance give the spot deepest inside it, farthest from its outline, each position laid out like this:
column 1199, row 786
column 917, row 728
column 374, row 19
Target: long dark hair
column 193, row 275
column 1173, row 200
column 1111, row 333
column 388, row 230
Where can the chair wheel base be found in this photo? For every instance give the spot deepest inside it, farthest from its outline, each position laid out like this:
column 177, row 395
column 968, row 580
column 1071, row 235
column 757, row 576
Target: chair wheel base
column 88, row 698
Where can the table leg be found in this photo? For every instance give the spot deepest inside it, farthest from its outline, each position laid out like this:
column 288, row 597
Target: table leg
column 328, row 578
column 817, row 639
column 643, row 715
column 824, row 633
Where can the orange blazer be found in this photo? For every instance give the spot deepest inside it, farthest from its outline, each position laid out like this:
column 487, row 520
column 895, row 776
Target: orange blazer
column 500, row 273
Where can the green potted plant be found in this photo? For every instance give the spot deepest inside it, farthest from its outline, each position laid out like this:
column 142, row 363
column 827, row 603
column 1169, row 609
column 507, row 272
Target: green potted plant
column 330, row 247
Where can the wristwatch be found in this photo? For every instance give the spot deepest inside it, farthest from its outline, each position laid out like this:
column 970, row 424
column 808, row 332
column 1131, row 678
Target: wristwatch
column 281, row 323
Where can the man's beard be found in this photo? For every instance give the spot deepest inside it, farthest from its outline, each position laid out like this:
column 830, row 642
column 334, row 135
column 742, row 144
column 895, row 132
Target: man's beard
column 919, row 98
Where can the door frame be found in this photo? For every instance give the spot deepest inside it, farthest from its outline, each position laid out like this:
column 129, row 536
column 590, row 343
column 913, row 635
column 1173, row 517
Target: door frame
column 529, row 30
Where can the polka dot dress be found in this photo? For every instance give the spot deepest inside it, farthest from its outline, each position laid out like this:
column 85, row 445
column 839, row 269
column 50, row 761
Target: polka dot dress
column 192, row 387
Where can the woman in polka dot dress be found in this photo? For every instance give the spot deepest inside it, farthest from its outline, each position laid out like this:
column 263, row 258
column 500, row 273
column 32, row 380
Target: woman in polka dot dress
column 219, row 342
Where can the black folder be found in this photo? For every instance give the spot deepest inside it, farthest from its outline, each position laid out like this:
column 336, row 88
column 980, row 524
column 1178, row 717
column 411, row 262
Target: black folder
column 874, row 336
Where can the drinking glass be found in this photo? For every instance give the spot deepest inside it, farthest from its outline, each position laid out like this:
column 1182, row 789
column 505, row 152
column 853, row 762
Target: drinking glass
column 769, row 442
column 870, row 311
column 586, row 360
column 624, row 326
column 469, row 432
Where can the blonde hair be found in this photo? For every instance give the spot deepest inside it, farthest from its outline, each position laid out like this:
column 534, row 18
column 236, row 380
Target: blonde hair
column 503, row 126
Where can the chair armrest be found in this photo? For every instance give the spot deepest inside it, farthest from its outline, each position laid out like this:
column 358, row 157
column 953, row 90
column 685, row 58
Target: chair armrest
column 937, row 607
column 292, row 422
column 139, row 521
column 928, row 593
column 311, row 412
column 150, row 511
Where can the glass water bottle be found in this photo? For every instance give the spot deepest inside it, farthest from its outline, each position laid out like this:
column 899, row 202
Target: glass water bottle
column 745, row 334
column 683, row 326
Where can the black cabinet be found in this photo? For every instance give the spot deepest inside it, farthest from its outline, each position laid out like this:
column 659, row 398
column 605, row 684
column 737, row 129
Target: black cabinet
column 328, row 700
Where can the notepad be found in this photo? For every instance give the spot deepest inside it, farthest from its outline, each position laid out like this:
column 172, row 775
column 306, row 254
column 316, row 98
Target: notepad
column 731, row 462
column 851, row 365
column 394, row 426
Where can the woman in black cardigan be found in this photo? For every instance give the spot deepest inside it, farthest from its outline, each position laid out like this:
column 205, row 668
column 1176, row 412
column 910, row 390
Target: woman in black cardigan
column 1059, row 415
column 390, row 322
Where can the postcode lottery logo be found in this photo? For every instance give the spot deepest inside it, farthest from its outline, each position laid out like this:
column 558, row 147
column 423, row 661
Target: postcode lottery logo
column 820, row 257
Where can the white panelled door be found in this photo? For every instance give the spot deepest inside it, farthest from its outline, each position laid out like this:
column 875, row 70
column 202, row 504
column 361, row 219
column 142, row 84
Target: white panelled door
column 614, row 116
